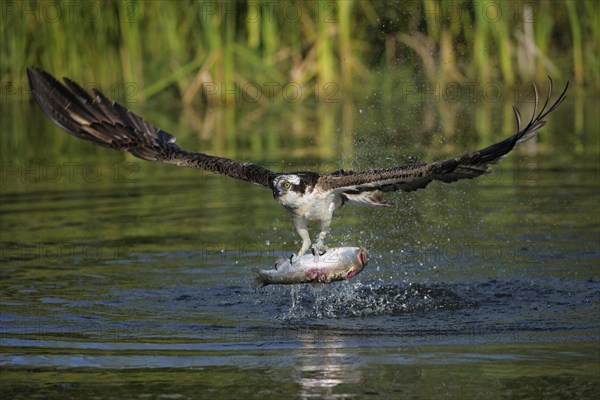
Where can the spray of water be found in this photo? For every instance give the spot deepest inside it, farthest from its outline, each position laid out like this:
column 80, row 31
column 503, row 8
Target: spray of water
column 356, row 299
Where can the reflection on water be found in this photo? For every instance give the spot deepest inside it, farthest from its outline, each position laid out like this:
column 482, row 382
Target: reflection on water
column 412, row 120
column 127, row 279
column 323, row 365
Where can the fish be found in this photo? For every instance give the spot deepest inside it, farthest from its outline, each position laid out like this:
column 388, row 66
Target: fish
column 337, row 264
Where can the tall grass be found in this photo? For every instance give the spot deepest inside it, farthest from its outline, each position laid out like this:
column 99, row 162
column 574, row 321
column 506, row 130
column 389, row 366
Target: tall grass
column 576, row 37
column 141, row 49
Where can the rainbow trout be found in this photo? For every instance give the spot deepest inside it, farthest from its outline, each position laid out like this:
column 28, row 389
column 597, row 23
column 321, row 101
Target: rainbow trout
column 337, row 264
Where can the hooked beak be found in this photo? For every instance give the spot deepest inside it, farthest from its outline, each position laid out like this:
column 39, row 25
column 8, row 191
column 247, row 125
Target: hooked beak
column 276, row 193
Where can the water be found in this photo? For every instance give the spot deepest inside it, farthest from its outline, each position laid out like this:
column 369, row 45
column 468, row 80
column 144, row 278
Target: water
column 132, row 280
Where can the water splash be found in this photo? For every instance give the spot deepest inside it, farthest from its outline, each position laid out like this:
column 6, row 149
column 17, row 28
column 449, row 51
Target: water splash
column 369, row 299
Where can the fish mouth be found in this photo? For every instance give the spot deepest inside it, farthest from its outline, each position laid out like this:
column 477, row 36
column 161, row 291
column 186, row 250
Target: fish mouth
column 363, row 256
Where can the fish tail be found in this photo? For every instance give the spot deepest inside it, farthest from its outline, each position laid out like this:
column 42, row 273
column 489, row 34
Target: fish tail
column 259, row 280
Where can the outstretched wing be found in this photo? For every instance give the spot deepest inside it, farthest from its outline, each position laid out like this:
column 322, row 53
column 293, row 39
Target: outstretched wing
column 356, row 185
column 100, row 120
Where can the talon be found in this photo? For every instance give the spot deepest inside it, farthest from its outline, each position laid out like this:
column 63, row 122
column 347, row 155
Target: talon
column 319, row 249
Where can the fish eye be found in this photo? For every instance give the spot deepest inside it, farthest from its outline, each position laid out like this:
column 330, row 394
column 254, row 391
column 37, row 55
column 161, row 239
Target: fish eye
column 287, row 185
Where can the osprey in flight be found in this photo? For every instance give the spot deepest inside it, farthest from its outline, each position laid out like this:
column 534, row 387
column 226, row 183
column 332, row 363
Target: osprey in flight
column 308, row 196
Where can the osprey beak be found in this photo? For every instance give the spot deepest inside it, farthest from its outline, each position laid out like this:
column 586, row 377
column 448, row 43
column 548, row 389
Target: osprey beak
column 276, row 193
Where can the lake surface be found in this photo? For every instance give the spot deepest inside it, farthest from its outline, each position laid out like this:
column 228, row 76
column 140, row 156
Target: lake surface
column 127, row 279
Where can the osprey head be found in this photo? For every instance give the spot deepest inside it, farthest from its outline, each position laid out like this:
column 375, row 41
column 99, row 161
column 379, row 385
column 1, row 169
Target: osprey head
column 291, row 189
column 284, row 185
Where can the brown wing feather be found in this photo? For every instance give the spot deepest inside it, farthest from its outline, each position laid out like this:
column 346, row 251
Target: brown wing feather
column 467, row 166
column 100, row 120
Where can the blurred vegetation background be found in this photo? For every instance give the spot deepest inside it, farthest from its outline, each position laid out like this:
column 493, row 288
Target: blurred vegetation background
column 196, row 50
column 316, row 78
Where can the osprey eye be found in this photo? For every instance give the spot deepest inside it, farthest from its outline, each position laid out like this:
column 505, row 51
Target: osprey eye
column 287, row 185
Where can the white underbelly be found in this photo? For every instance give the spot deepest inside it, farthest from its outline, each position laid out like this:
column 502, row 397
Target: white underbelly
column 320, row 208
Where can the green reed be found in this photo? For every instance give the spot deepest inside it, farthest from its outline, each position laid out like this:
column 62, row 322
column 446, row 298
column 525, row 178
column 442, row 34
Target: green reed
column 577, row 42
column 174, row 49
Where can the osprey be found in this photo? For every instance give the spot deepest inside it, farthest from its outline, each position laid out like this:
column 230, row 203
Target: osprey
column 308, row 196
